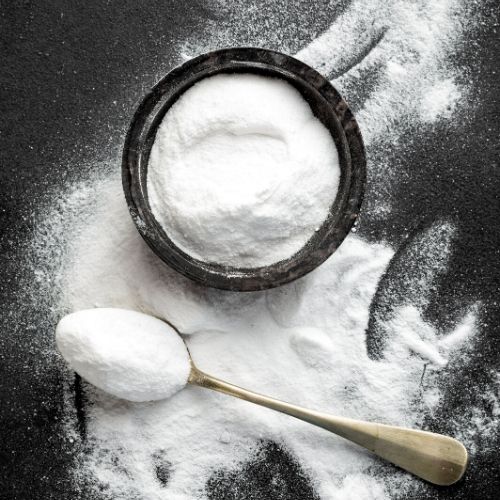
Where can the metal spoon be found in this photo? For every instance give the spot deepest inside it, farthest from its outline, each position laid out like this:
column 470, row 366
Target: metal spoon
column 433, row 457
column 436, row 458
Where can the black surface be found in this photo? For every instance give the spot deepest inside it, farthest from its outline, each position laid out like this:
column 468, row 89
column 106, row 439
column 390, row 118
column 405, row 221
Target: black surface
column 71, row 76
column 270, row 473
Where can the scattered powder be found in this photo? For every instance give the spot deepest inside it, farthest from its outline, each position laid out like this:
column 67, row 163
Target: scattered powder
column 420, row 265
column 125, row 353
column 440, row 101
column 225, row 166
column 421, row 338
column 407, row 44
column 305, row 342
column 478, row 424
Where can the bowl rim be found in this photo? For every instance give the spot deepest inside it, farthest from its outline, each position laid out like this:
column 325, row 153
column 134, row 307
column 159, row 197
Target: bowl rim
column 313, row 87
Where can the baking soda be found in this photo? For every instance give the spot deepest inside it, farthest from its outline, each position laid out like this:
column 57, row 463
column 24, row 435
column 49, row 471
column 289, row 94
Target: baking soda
column 125, row 353
column 241, row 172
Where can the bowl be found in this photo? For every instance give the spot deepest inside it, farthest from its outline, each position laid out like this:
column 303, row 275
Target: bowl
column 326, row 104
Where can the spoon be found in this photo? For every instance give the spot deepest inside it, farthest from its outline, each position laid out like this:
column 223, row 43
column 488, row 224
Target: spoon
column 115, row 348
column 438, row 459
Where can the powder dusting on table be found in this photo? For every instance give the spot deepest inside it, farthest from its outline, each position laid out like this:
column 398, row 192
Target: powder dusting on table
column 305, row 342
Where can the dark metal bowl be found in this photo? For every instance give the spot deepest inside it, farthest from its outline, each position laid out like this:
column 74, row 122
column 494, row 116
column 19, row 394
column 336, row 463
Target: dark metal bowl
column 326, row 104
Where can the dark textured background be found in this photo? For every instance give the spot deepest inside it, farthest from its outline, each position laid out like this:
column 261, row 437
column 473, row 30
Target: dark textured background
column 71, row 75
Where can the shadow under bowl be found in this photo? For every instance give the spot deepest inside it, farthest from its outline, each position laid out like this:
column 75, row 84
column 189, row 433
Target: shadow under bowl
column 326, row 104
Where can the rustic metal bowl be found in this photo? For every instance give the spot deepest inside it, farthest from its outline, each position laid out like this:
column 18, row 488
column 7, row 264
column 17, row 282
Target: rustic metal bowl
column 326, row 104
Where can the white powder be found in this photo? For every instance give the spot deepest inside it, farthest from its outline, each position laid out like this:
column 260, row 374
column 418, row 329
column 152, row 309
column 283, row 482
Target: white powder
column 440, row 100
column 305, row 342
column 125, row 353
column 241, row 172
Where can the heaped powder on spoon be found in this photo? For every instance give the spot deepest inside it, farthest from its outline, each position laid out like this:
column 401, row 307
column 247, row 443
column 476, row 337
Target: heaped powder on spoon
column 126, row 353
column 241, row 172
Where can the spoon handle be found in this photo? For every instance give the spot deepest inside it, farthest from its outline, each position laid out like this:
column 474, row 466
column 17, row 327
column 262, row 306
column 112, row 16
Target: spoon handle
column 436, row 458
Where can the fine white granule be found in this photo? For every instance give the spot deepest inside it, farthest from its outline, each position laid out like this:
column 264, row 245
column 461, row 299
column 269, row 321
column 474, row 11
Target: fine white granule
column 241, row 172
column 125, row 353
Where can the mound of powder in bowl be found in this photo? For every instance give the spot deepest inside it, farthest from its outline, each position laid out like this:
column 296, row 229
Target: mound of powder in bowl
column 241, row 172
column 125, row 353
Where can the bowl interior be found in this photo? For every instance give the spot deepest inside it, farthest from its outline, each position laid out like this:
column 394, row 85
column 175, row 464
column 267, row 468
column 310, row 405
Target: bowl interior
column 326, row 104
